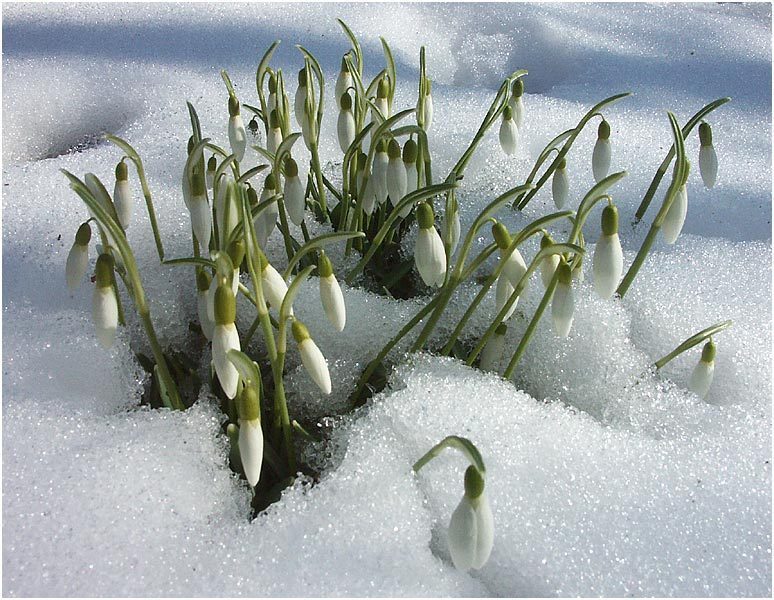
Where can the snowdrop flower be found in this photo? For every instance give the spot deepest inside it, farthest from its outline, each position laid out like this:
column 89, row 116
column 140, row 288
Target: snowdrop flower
column 549, row 264
column 207, row 321
column 600, row 159
column 607, row 265
column 517, row 106
column 250, row 434
column 273, row 285
column 104, row 306
column 344, row 80
column 212, row 166
column 293, row 192
column 201, row 217
column 708, row 160
column 267, row 218
column 492, row 354
column 471, row 529
column 78, row 258
column 368, row 194
column 429, row 253
column 509, row 132
column 675, row 217
column 701, row 378
column 563, row 304
column 274, row 139
column 515, row 267
column 299, row 102
column 560, row 185
column 428, row 105
column 410, row 163
column 236, row 252
column 122, row 195
column 225, row 338
column 345, row 127
column 382, row 102
column 396, row 173
column 330, row 293
column 451, row 223
column 272, row 102
column 379, row 171
column 311, row 357
column 226, row 208
column 502, row 293
column 237, row 136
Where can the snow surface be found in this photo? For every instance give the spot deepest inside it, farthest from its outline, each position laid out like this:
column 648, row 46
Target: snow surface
column 605, row 478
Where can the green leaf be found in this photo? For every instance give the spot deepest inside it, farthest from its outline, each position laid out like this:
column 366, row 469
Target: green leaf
column 318, row 242
column 462, row 444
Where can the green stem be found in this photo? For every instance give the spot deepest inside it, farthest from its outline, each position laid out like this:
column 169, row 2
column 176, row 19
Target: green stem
column 462, row 444
column 692, row 341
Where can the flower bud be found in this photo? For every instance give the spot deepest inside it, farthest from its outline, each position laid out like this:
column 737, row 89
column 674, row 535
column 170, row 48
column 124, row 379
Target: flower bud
column 293, row 192
column 344, row 80
column 201, row 216
column 330, row 294
column 267, row 218
column 122, row 195
column 237, row 136
column 516, row 104
column 471, row 528
column 428, row 104
column 203, row 282
column 549, row 264
column 227, row 208
column 600, row 159
column 104, row 307
column 451, row 223
column 560, row 185
column 515, row 267
column 212, row 167
column 429, row 253
column 251, row 448
column 225, row 338
column 345, row 127
column 708, row 159
column 492, row 354
column 675, row 217
column 701, row 377
column 396, row 173
column 274, row 138
column 311, row 357
column 509, row 133
column 236, row 252
column 563, row 304
column 379, row 171
column 502, row 294
column 273, row 285
column 299, row 102
column 78, row 258
column 607, row 265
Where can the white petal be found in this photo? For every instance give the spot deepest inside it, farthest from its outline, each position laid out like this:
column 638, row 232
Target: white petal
column 502, row 293
column 701, row 378
column 294, row 199
column 201, row 220
column 428, row 112
column 211, row 300
column 299, row 103
column 77, row 265
column 235, row 282
column 251, row 449
column 208, row 325
column 560, row 188
column 274, row 140
column 492, row 354
column 517, row 106
column 600, row 159
column 122, row 200
column 411, row 177
column 708, row 165
column 515, row 268
column 463, row 533
column 345, row 128
column 104, row 313
column 675, row 217
column 343, row 82
column 315, row 364
column 379, row 175
column 369, row 197
column 333, row 301
column 454, row 230
column 265, row 222
column 509, row 136
column 562, row 309
column 237, row 136
column 548, row 268
column 225, row 338
column 430, row 257
column 396, row 180
column 484, row 531
column 274, row 287
column 607, row 265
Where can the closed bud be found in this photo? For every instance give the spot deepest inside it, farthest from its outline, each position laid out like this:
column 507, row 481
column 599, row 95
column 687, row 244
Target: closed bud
column 345, row 127
column 600, row 159
column 212, row 166
column 199, row 208
column 549, row 263
column 344, row 80
column 708, row 159
column 104, row 307
column 78, row 258
column 251, row 448
column 607, row 265
column 701, row 377
column 330, row 294
column 563, row 304
column 560, row 185
column 311, row 357
column 492, row 354
column 429, row 253
column 396, row 173
column 471, row 528
column 294, row 192
column 674, row 220
column 122, row 195
column 516, row 103
column 509, row 132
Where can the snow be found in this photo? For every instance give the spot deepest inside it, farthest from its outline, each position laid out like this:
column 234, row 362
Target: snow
column 605, row 477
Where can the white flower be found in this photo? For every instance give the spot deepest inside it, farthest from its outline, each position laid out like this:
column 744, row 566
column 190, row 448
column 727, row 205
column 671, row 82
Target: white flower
column 330, row 294
column 272, row 102
column 345, row 127
column 429, row 253
column 226, row 207
column 396, row 173
column 311, row 357
column 607, row 265
column 369, row 197
column 452, row 225
column 515, row 102
column 600, row 159
column 410, row 163
column 515, row 267
column 299, row 102
column 428, row 105
column 104, row 306
column 379, row 171
column 225, row 338
column 382, row 103
column 471, row 528
column 274, row 139
column 675, row 217
column 78, row 258
column 563, row 304
column 549, row 264
column 212, row 167
column 560, row 185
column 267, row 218
column 701, row 378
column 509, row 133
column 251, row 449
column 274, row 287
column 201, row 216
column 237, row 136
column 708, row 159
column 344, row 80
column 122, row 195
column 293, row 192
column 492, row 354
column 502, row 293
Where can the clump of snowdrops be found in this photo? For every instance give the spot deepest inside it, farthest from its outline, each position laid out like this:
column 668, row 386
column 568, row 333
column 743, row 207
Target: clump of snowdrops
column 387, row 186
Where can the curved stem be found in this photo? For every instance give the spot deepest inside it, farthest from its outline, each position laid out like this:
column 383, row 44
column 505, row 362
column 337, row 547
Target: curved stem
column 692, row 341
column 462, row 444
